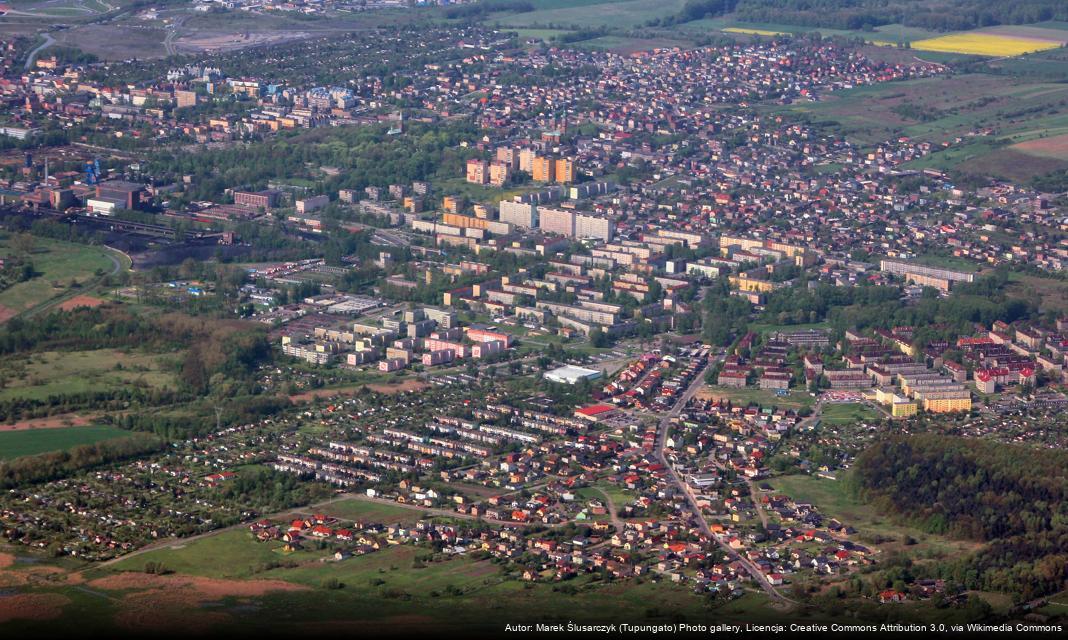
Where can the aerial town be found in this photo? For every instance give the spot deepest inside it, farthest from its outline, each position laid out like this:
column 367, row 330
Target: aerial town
column 444, row 324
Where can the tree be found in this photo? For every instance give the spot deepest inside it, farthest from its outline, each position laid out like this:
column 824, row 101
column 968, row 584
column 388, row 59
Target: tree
column 23, row 244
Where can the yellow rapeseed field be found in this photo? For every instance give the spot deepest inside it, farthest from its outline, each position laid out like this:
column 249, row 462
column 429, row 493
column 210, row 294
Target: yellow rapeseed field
column 755, row 32
column 983, row 44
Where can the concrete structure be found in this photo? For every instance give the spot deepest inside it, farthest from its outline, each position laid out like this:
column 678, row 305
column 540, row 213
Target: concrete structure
column 570, row 374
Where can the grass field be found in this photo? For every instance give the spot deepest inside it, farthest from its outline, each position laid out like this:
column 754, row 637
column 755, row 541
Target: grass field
column 625, row 14
column 230, row 554
column 54, row 373
column 834, row 498
column 947, row 262
column 14, row 444
column 1052, row 294
column 372, row 512
column 796, row 400
column 57, row 263
column 1023, row 120
column 848, row 413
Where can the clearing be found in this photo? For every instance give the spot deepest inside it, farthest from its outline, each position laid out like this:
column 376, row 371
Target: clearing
column 834, row 499
column 59, row 373
column 58, row 266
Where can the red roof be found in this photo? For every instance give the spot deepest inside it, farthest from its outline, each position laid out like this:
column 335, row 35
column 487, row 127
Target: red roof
column 595, row 409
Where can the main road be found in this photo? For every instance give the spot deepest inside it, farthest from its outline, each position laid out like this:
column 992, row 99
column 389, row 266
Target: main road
column 663, row 428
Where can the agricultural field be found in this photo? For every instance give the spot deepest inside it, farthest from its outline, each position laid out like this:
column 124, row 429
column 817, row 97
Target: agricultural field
column 29, row 442
column 624, row 14
column 55, row 373
column 990, row 124
column 58, row 265
column 985, row 44
column 890, row 34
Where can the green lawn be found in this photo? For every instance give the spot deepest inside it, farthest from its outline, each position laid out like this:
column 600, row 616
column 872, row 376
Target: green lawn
column 230, row 554
column 57, row 263
column 28, row 442
column 620, row 497
column 55, row 373
column 848, row 413
column 797, row 399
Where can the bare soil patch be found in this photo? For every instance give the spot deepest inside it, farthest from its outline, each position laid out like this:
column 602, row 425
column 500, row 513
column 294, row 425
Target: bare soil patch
column 81, row 300
column 1052, row 147
column 51, row 422
column 32, row 606
column 168, row 602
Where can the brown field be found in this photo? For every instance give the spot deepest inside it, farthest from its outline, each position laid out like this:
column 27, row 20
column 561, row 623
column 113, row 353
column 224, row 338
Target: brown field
column 1009, row 164
column 115, row 42
column 199, row 588
column 229, row 41
column 51, row 422
column 405, row 385
column 1029, row 33
column 167, row 602
column 6, row 313
column 32, row 606
column 81, row 300
column 1052, row 147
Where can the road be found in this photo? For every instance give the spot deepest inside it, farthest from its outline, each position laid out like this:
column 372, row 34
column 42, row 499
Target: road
column 49, row 41
column 663, row 430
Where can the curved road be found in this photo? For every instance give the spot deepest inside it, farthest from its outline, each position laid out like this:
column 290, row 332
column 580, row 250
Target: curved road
column 49, row 41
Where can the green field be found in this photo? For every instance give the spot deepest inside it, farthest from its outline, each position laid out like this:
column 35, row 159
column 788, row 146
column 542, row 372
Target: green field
column 797, row 399
column 947, row 262
column 890, row 33
column 29, row 442
column 848, row 413
column 1051, row 293
column 389, row 583
column 625, row 14
column 58, row 264
column 56, row 373
column 230, row 554
column 835, row 499
column 1006, row 110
